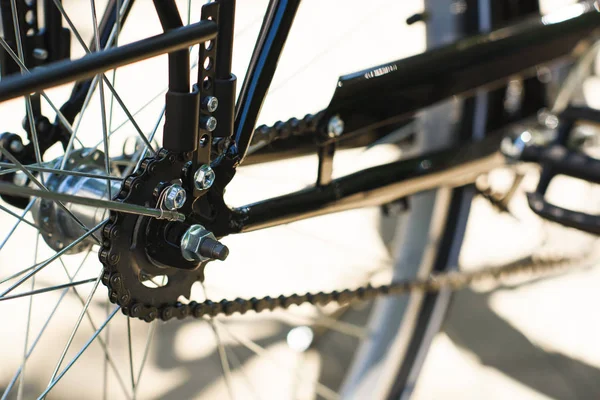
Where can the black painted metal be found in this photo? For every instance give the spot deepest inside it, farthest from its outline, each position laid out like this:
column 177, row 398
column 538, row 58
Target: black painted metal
column 271, row 39
column 370, row 187
column 80, row 90
column 92, row 64
column 179, row 61
column 393, row 91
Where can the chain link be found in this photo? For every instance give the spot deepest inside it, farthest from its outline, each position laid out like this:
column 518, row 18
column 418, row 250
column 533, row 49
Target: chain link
column 452, row 280
column 265, row 135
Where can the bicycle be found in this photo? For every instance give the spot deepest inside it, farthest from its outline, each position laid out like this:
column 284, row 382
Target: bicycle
column 168, row 214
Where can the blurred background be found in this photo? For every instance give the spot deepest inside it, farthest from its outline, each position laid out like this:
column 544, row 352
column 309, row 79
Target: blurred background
column 534, row 340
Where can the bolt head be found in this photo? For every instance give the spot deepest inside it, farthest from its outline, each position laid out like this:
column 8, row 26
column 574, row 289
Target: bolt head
column 175, row 197
column 16, row 146
column 191, row 241
column 210, row 124
column 212, row 103
column 40, row 54
column 335, row 126
column 204, row 177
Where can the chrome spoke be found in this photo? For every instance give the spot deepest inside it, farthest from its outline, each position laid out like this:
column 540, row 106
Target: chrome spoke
column 260, row 351
column 149, row 338
column 37, row 168
column 28, row 107
column 16, row 225
column 102, row 101
column 102, row 343
column 85, row 346
column 6, row 188
column 19, row 217
column 22, row 368
column 73, row 136
column 54, row 257
column 223, row 359
column 75, row 328
column 130, row 354
column 225, row 367
column 16, row 59
column 105, row 365
column 16, row 274
column 103, row 76
column 48, row 289
column 41, row 185
column 42, row 330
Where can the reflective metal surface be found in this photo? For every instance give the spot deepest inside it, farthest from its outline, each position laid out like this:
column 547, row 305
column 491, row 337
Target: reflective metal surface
column 58, row 228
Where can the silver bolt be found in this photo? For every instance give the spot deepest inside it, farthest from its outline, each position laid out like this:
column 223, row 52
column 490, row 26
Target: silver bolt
column 204, row 177
column 16, row 146
column 20, row 178
column 40, row 54
column 175, row 197
column 335, row 126
column 513, row 147
column 210, row 103
column 208, row 123
column 199, row 244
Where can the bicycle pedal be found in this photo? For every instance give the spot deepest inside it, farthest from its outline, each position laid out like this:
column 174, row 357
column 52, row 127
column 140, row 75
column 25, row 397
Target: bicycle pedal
column 556, row 159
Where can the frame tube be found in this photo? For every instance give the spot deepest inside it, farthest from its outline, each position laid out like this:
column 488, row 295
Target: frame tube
column 273, row 34
column 95, row 63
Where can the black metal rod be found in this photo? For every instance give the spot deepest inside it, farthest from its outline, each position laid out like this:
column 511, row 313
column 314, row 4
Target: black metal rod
column 225, row 39
column 374, row 186
column 95, row 63
column 390, row 92
column 179, row 61
column 271, row 39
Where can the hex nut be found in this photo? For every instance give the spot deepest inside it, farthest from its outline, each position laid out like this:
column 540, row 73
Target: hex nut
column 191, row 241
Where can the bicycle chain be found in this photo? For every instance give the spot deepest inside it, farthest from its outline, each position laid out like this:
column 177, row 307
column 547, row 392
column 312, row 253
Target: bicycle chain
column 266, row 135
column 453, row 280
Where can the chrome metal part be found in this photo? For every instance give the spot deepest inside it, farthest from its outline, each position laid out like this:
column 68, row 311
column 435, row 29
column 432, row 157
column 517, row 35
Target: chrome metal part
column 204, row 177
column 210, row 103
column 57, row 227
column 175, row 197
column 200, row 245
column 208, row 123
column 335, row 126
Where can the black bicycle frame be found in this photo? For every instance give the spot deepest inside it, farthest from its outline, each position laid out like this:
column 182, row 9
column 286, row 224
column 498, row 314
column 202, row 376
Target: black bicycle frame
column 367, row 101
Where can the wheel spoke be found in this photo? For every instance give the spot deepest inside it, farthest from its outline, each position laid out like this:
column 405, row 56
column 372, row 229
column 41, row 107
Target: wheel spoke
column 103, row 76
column 149, row 338
column 16, row 225
column 25, row 342
column 48, row 289
column 73, row 137
column 75, row 328
column 19, row 217
column 42, row 330
column 6, row 188
column 28, row 107
column 223, row 359
column 54, row 257
column 225, row 367
column 79, row 353
column 16, row 59
column 130, row 347
column 42, row 186
column 320, row 389
column 37, row 168
column 102, row 343
column 102, row 100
